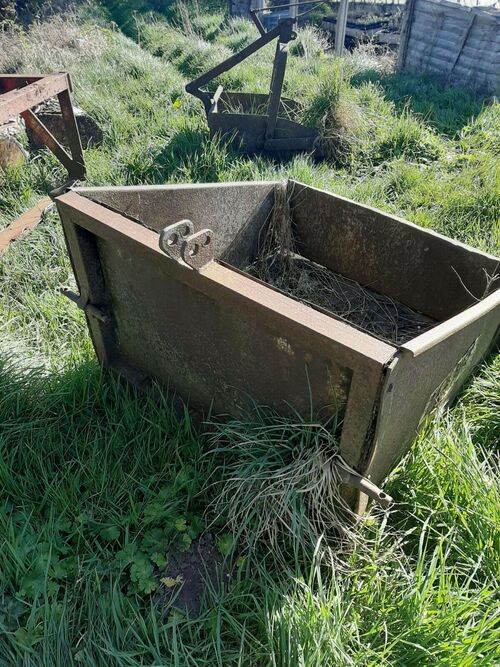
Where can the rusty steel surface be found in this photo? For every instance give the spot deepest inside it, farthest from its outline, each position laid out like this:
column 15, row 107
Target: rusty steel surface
column 252, row 128
column 234, row 115
column 225, row 341
column 26, row 222
column 19, row 94
column 198, row 249
column 172, row 238
column 430, row 273
column 432, row 374
column 179, row 241
column 242, row 207
column 235, row 340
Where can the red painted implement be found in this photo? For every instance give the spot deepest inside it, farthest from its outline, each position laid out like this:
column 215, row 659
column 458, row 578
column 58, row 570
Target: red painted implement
column 19, row 94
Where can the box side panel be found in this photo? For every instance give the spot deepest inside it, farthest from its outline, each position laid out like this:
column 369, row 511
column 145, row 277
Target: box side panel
column 85, row 260
column 418, row 383
column 424, row 270
column 232, row 210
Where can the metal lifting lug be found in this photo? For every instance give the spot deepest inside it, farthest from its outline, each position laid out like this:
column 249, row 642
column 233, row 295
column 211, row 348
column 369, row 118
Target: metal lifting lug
column 173, row 237
column 180, row 242
column 84, row 305
column 352, row 478
column 198, row 249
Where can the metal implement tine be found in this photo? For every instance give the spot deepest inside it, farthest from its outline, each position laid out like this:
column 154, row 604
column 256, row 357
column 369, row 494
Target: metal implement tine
column 215, row 99
column 72, row 135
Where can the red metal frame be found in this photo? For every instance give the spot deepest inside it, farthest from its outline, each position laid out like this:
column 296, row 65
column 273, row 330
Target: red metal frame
column 19, row 93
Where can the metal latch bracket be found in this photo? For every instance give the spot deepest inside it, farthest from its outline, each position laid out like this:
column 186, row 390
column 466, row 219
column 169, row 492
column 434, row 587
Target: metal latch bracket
column 352, row 478
column 83, row 304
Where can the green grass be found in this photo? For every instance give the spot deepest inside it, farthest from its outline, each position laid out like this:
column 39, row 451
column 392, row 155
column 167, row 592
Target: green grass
column 99, row 482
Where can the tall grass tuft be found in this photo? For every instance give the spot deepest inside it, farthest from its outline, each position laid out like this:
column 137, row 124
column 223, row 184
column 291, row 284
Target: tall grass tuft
column 334, row 111
column 310, row 43
column 276, row 483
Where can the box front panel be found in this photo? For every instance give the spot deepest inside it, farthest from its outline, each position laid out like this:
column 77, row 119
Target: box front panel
column 211, row 350
column 215, row 337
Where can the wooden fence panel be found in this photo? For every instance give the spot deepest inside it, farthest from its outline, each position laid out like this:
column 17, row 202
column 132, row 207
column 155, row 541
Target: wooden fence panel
column 461, row 43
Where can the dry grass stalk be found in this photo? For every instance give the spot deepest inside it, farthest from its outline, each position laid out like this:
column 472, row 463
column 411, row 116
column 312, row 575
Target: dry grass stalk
column 277, row 483
column 54, row 45
column 279, row 265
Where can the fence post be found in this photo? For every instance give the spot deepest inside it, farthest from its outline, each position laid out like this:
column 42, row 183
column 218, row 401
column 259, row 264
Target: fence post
column 340, row 28
column 409, row 12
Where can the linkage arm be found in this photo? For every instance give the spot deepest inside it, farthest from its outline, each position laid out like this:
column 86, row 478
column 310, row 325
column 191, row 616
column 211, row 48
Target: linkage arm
column 283, row 30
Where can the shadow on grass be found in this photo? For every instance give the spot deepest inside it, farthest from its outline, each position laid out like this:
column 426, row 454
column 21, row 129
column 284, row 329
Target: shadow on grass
column 447, row 109
column 99, row 483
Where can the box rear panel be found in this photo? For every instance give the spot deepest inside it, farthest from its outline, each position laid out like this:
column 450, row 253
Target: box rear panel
column 428, row 272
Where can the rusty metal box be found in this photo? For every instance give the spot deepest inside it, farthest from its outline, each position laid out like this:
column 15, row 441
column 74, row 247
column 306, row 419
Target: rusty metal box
column 221, row 339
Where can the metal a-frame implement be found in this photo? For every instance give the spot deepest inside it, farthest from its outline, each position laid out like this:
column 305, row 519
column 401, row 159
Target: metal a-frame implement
column 19, row 94
column 258, row 123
